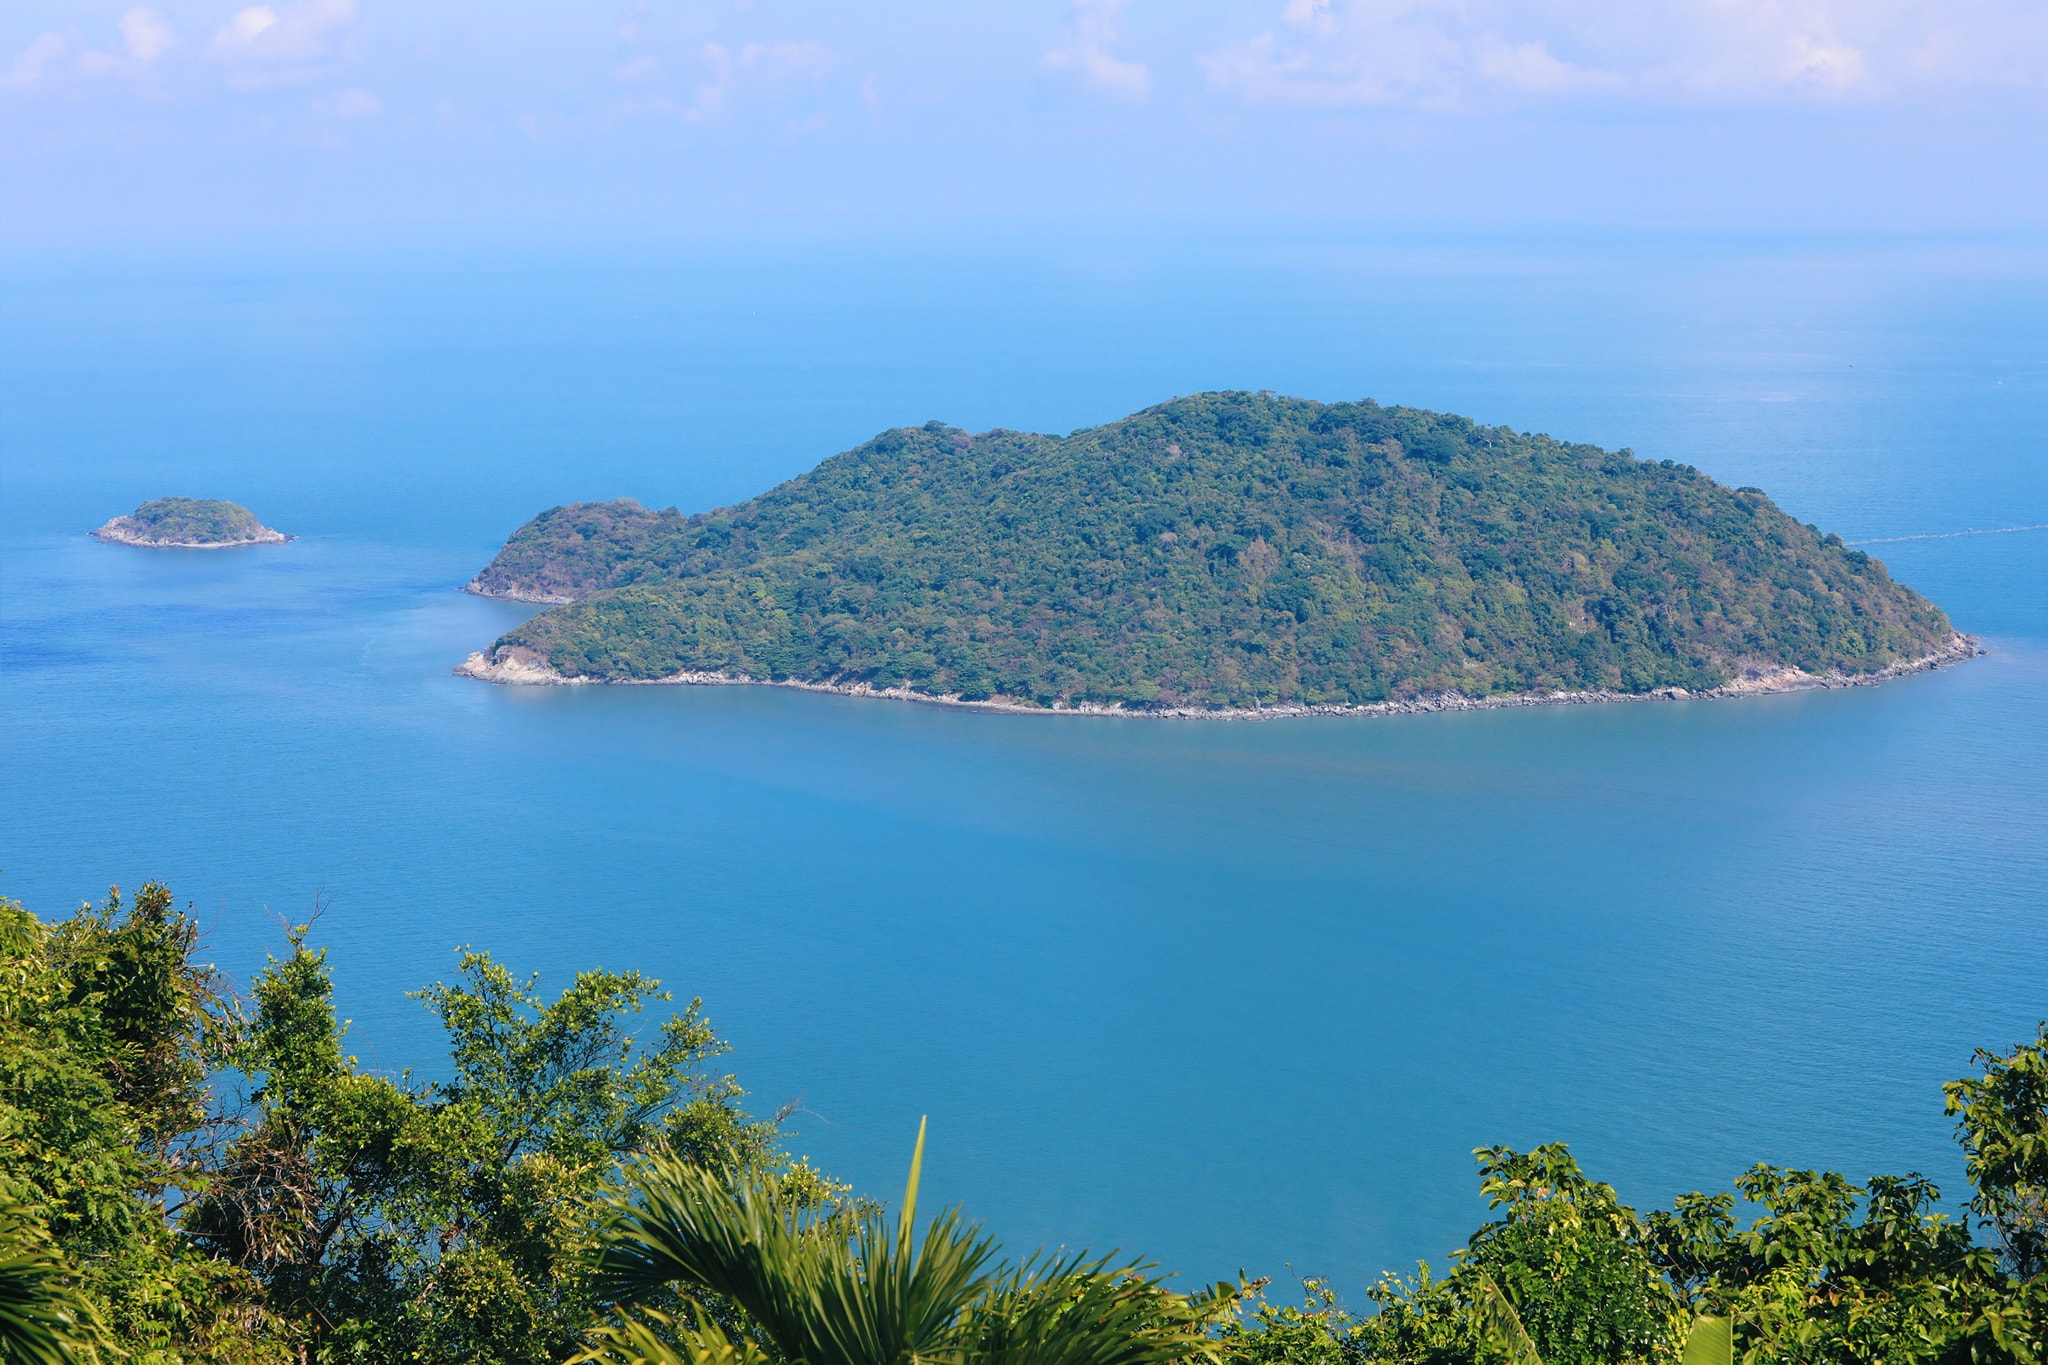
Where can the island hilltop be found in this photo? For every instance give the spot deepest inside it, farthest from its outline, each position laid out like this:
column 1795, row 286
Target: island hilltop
column 190, row 524
column 1221, row 554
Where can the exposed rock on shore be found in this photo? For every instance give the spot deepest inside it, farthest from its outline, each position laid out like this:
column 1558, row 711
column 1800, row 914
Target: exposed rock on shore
column 517, row 666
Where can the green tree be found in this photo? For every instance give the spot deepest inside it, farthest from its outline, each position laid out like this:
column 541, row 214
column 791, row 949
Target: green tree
column 2002, row 1122
column 558, row 1094
column 1812, row 1281
column 1572, row 1259
column 564, row 1171
column 108, row 1032
column 390, row 1219
column 1318, row 1332
column 320, row 1197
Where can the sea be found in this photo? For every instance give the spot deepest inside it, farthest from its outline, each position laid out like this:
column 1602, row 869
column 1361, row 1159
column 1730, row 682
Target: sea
column 1224, row 996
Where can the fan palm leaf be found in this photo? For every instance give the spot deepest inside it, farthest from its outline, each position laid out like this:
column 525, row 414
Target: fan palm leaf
column 42, row 1319
column 650, row 1337
column 834, row 1290
column 1078, row 1311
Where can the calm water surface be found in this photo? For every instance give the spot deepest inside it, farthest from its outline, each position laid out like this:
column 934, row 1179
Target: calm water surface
column 1233, row 995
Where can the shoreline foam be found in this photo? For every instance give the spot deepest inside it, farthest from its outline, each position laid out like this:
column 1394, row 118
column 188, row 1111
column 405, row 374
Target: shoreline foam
column 521, row 667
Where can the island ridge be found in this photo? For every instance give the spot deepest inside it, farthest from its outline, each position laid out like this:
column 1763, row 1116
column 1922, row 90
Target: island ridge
column 1220, row 553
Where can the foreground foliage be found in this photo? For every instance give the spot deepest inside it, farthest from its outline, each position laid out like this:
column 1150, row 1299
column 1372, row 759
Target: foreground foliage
column 1825, row 1272
column 315, row 1210
column 190, row 1176
column 43, row 1321
column 1228, row 549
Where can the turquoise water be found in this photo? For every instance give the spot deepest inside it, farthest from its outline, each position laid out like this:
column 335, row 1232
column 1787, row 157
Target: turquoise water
column 1231, row 995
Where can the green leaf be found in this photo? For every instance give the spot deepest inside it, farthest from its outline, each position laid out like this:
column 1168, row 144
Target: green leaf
column 1500, row 1326
column 1711, row 1342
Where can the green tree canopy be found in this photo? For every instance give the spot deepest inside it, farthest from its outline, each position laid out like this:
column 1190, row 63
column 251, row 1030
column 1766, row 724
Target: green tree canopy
column 188, row 1176
column 1228, row 549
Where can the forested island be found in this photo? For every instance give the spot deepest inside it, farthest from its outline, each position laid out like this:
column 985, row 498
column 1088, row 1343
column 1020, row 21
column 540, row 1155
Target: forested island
column 1224, row 553
column 189, row 524
column 193, row 1174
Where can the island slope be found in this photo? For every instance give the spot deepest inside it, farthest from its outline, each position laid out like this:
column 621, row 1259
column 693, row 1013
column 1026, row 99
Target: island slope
column 1227, row 550
column 189, row 524
column 569, row 552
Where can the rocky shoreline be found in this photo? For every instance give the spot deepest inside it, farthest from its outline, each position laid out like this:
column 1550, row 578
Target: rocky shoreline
column 521, row 667
column 476, row 588
column 117, row 532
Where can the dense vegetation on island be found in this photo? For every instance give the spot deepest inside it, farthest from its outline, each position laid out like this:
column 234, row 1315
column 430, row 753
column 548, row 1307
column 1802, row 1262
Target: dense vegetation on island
column 188, row 1175
column 189, row 522
column 569, row 552
column 1224, row 550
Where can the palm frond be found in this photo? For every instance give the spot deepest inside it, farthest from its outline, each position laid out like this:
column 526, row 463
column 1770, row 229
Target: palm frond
column 859, row 1289
column 1077, row 1311
column 1500, row 1326
column 885, row 1298
column 649, row 1337
column 744, row 1242
column 819, row 1291
column 42, row 1319
column 906, row 1223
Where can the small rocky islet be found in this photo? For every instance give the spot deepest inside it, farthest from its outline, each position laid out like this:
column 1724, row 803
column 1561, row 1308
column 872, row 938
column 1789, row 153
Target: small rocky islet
column 189, row 524
column 1226, row 553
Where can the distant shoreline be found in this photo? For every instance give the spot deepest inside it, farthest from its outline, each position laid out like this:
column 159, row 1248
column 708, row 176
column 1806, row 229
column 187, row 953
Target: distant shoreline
column 522, row 668
column 115, row 534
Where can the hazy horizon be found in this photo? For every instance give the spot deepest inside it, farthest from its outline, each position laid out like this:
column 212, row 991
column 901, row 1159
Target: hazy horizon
column 310, row 123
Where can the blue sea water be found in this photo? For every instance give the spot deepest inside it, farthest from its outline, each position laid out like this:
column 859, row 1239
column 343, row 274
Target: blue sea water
column 1228, row 995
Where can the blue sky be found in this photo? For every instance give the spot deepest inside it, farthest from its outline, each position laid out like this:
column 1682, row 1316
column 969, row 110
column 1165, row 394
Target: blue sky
column 350, row 120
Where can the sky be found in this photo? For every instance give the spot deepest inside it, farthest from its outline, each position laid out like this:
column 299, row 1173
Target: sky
column 318, row 121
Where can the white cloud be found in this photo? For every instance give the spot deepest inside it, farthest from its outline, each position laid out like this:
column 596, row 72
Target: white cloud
column 261, row 37
column 34, row 63
column 1829, row 65
column 641, row 71
column 1460, row 53
column 1531, row 67
column 763, row 63
column 242, row 30
column 711, row 96
column 1737, row 49
column 1310, row 14
column 810, row 60
column 145, row 35
column 349, row 104
column 629, row 23
column 1087, row 51
column 1356, row 54
column 148, row 35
